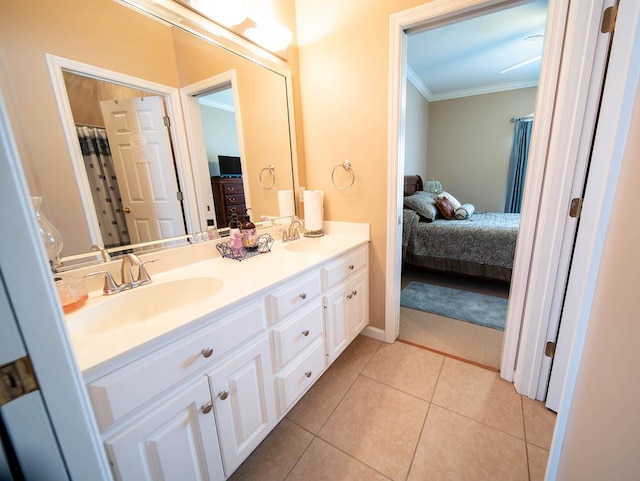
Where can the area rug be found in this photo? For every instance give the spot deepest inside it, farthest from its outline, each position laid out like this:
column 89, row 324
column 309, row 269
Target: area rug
column 488, row 311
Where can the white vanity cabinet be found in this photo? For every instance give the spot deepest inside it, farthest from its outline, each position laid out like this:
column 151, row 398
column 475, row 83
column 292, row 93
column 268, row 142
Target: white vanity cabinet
column 177, row 440
column 346, row 300
column 244, row 402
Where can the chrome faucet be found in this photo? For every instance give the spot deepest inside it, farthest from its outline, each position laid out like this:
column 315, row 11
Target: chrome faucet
column 292, row 233
column 127, row 280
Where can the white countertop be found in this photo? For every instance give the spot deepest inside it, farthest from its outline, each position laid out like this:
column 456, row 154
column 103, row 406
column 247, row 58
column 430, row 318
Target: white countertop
column 98, row 352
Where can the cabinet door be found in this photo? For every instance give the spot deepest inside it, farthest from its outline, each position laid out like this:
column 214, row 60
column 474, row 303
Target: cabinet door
column 337, row 321
column 358, row 303
column 175, row 441
column 244, row 402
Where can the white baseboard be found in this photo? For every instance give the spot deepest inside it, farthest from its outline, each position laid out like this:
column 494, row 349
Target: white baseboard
column 374, row 332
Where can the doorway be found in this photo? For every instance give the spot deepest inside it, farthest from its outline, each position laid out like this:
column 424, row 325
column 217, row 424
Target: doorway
column 556, row 155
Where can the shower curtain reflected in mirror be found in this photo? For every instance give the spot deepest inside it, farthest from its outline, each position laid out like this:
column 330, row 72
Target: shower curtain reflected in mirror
column 102, row 178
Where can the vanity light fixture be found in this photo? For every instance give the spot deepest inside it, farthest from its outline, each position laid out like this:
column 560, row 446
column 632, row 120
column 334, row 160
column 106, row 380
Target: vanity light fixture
column 224, row 12
column 272, row 36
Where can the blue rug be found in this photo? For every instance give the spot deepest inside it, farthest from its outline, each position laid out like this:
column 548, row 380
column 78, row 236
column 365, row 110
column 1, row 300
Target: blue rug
column 488, row 311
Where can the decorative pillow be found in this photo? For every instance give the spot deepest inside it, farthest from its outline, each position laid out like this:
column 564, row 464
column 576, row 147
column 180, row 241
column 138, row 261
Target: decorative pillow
column 465, row 211
column 455, row 202
column 424, row 203
column 445, row 207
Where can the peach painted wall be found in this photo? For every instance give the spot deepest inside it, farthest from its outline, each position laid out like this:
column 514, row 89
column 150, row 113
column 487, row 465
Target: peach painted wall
column 603, row 435
column 344, row 71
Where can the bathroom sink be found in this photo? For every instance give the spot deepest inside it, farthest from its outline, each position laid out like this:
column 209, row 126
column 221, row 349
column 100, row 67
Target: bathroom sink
column 313, row 244
column 145, row 306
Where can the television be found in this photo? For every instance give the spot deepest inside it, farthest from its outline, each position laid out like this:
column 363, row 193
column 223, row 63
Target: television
column 229, row 166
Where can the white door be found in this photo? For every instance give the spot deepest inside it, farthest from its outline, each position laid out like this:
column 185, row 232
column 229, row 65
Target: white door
column 175, row 441
column 337, row 321
column 143, row 160
column 359, row 303
column 244, row 402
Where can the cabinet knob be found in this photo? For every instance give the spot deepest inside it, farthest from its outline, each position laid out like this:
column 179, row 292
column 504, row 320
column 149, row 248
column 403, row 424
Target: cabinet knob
column 223, row 395
column 207, row 352
column 302, row 296
column 206, row 407
column 305, row 333
column 308, row 373
column 351, row 267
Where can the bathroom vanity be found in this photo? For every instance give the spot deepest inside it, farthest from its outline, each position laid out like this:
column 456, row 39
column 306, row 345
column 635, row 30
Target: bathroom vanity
column 188, row 392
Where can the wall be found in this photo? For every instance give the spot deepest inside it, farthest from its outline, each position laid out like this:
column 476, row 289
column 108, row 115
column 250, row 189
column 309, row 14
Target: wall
column 220, row 135
column 602, row 436
column 470, row 142
column 416, row 133
column 344, row 72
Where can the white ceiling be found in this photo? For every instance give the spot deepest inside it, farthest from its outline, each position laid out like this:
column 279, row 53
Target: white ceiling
column 465, row 57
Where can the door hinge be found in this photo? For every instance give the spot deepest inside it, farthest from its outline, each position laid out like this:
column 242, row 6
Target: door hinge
column 167, row 121
column 550, row 349
column 576, row 207
column 16, row 379
column 609, row 19
column 179, row 196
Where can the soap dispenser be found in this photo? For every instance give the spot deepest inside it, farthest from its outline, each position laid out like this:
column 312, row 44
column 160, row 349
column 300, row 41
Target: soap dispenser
column 235, row 236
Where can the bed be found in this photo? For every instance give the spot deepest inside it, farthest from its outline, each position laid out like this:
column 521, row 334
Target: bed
column 482, row 245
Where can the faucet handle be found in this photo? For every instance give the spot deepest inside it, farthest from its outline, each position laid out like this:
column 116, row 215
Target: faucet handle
column 143, row 275
column 110, row 285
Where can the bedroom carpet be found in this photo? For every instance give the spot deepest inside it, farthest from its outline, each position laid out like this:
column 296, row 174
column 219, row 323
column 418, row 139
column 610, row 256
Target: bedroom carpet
column 480, row 309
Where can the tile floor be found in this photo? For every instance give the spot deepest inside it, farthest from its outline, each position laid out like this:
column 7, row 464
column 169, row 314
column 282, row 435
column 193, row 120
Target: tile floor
column 398, row 412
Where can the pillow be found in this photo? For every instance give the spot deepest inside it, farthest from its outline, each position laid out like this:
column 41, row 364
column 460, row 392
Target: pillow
column 445, row 207
column 465, row 211
column 424, row 203
column 455, row 202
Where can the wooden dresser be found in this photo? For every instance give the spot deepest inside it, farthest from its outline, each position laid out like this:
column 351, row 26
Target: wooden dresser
column 228, row 196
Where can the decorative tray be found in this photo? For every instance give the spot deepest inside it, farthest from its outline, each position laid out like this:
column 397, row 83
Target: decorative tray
column 265, row 241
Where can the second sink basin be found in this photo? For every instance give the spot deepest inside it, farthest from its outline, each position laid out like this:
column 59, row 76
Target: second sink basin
column 313, row 244
column 144, row 306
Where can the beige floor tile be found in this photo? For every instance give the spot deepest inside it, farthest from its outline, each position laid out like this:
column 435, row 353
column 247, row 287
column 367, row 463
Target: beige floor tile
column 408, row 368
column 537, row 462
column 480, row 395
column 315, row 407
column 274, row 458
column 539, row 423
column 378, row 425
column 358, row 353
column 455, row 448
column 323, row 462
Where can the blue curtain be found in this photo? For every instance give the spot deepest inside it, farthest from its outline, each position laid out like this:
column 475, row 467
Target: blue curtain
column 518, row 164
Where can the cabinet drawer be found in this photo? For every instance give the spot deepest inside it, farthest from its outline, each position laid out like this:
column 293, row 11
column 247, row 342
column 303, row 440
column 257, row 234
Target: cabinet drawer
column 300, row 374
column 124, row 390
column 233, row 188
column 293, row 295
column 234, row 199
column 293, row 336
column 339, row 269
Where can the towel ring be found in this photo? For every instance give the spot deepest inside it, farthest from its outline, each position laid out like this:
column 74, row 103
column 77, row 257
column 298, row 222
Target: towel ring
column 271, row 170
column 346, row 165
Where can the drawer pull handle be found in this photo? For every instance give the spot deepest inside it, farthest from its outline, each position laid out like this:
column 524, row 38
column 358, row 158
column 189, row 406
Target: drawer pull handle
column 308, row 373
column 351, row 267
column 305, row 333
column 206, row 407
column 302, row 296
column 207, row 352
column 354, row 292
column 223, row 395
column 349, row 296
column 230, row 189
column 232, row 199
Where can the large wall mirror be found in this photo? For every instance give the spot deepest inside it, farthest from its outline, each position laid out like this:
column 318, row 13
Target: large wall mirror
column 72, row 65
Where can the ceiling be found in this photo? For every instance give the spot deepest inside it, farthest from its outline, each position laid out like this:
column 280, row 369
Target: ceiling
column 465, row 57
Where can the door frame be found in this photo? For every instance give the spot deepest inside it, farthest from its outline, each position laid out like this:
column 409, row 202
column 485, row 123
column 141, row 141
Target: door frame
column 177, row 134
column 523, row 341
column 41, row 324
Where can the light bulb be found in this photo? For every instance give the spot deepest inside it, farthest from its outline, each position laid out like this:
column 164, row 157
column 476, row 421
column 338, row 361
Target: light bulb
column 272, row 36
column 222, row 11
